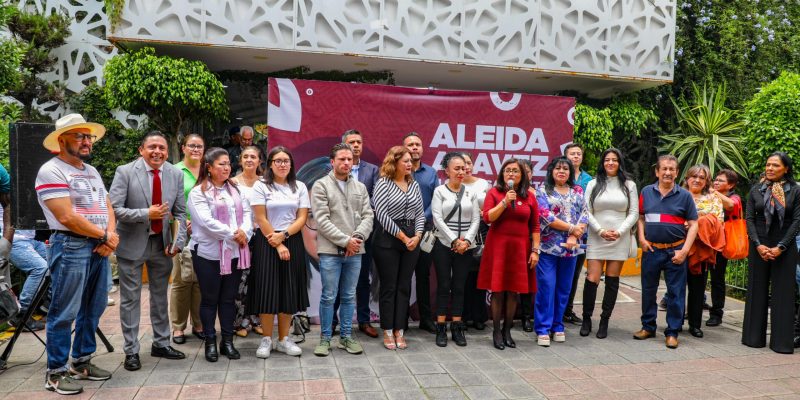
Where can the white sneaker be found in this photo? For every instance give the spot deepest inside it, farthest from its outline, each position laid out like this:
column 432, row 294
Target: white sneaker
column 287, row 346
column 264, row 348
column 560, row 337
column 111, row 301
column 543, row 340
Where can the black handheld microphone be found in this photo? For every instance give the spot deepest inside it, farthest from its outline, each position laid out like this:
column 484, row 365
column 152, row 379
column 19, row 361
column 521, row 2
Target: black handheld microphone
column 511, row 187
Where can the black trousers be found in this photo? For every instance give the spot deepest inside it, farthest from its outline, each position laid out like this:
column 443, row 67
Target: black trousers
column 717, row 274
column 696, row 285
column 578, row 270
column 770, row 285
column 217, row 294
column 422, row 270
column 451, row 278
column 475, row 308
column 526, row 304
column 395, row 266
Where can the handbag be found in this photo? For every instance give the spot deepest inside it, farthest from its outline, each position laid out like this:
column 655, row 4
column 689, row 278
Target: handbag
column 633, row 252
column 429, row 238
column 477, row 251
column 301, row 325
column 737, row 244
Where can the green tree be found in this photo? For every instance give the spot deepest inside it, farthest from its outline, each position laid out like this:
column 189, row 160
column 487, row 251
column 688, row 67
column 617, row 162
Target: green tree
column 171, row 92
column 593, row 130
column 119, row 145
column 11, row 51
column 37, row 35
column 708, row 132
column 771, row 121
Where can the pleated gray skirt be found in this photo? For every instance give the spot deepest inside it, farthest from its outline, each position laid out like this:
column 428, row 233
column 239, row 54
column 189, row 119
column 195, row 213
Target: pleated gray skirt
column 277, row 286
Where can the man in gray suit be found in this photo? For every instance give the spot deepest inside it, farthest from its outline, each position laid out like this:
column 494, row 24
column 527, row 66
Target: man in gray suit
column 146, row 194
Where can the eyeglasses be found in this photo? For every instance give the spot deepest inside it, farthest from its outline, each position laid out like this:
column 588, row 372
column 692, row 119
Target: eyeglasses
column 512, row 171
column 83, row 136
column 195, row 146
column 281, row 162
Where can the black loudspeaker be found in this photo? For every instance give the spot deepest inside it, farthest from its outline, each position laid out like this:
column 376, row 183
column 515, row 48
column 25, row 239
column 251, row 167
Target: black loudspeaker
column 26, row 156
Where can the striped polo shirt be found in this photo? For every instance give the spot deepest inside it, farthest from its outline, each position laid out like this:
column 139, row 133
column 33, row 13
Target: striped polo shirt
column 664, row 217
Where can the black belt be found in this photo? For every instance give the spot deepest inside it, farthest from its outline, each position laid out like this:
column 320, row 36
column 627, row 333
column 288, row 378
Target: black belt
column 72, row 234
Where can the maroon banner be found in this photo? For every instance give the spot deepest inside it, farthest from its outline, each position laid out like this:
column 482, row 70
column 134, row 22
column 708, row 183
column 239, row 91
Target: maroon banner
column 308, row 117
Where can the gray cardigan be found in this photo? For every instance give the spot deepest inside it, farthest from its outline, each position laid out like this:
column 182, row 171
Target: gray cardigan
column 340, row 214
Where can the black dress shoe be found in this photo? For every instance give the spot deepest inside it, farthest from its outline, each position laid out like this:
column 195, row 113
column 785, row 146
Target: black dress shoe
column 132, row 362
column 180, row 339
column 199, row 335
column 527, row 325
column 714, row 320
column 479, row 325
column 571, row 317
column 427, row 325
column 167, row 352
column 211, row 349
column 696, row 332
column 227, row 349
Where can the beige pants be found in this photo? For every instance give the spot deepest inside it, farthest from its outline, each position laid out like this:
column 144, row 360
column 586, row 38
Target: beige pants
column 185, row 295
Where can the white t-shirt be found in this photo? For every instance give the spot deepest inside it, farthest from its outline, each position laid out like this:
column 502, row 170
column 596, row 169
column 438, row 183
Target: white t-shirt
column 281, row 203
column 84, row 187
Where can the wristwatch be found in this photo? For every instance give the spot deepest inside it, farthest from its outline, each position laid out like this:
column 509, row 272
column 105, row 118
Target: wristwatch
column 782, row 247
column 286, row 234
column 104, row 239
column 536, row 250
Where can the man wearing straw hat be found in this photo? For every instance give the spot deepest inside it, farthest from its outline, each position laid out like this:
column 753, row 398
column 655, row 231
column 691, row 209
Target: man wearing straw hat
column 79, row 213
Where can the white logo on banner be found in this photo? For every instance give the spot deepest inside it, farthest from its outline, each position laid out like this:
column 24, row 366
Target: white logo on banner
column 288, row 116
column 571, row 116
column 505, row 105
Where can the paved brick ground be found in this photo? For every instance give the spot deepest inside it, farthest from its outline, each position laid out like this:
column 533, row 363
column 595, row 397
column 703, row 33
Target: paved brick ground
column 716, row 367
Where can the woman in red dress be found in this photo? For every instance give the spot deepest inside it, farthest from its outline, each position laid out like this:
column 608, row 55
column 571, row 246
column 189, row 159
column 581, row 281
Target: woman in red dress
column 512, row 240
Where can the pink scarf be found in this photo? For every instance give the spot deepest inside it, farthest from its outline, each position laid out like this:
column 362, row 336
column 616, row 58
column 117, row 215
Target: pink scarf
column 221, row 214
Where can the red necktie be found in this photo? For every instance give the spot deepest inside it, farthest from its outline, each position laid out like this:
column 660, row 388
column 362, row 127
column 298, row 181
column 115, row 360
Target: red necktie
column 157, row 224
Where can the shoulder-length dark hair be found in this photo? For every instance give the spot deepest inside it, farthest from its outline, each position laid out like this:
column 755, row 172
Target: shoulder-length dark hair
column 269, row 176
column 204, row 179
column 601, row 180
column 259, row 170
column 550, row 182
column 787, row 162
column 524, row 181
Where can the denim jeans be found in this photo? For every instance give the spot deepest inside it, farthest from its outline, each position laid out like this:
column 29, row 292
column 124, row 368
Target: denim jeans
column 675, row 276
column 30, row 257
column 80, row 292
column 339, row 276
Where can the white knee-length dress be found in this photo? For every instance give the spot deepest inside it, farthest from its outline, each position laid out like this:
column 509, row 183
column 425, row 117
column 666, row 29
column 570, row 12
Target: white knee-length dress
column 611, row 210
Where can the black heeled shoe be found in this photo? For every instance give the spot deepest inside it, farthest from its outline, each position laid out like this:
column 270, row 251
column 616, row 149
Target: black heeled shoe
column 586, row 326
column 507, row 339
column 602, row 330
column 497, row 338
column 226, row 348
column 211, row 349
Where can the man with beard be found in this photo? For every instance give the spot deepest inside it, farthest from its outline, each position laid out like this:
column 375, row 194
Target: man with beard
column 146, row 195
column 667, row 229
column 78, row 211
column 426, row 177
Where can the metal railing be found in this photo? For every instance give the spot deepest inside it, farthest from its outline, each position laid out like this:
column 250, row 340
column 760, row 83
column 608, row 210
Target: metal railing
column 736, row 277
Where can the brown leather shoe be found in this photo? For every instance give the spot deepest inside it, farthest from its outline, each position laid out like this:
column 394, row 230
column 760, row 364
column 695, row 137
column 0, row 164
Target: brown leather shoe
column 671, row 342
column 643, row 334
column 368, row 330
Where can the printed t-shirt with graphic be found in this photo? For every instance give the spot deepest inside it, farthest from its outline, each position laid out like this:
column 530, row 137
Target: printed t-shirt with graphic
column 84, row 187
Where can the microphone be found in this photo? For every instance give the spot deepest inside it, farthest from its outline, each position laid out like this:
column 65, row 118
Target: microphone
column 511, row 187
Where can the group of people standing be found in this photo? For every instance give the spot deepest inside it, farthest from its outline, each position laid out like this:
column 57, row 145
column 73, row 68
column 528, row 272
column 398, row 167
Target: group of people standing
column 245, row 261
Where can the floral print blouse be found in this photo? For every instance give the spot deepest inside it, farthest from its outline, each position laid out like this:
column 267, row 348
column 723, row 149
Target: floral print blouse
column 710, row 204
column 570, row 208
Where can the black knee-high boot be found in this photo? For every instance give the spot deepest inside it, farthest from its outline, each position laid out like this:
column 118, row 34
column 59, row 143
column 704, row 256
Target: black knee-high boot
column 609, row 301
column 589, row 297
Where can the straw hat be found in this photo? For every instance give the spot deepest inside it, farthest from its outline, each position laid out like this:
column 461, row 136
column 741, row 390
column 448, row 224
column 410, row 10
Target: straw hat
column 70, row 122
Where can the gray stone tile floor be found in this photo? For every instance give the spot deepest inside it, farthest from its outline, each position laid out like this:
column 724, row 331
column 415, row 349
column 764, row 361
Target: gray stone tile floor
column 715, row 367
